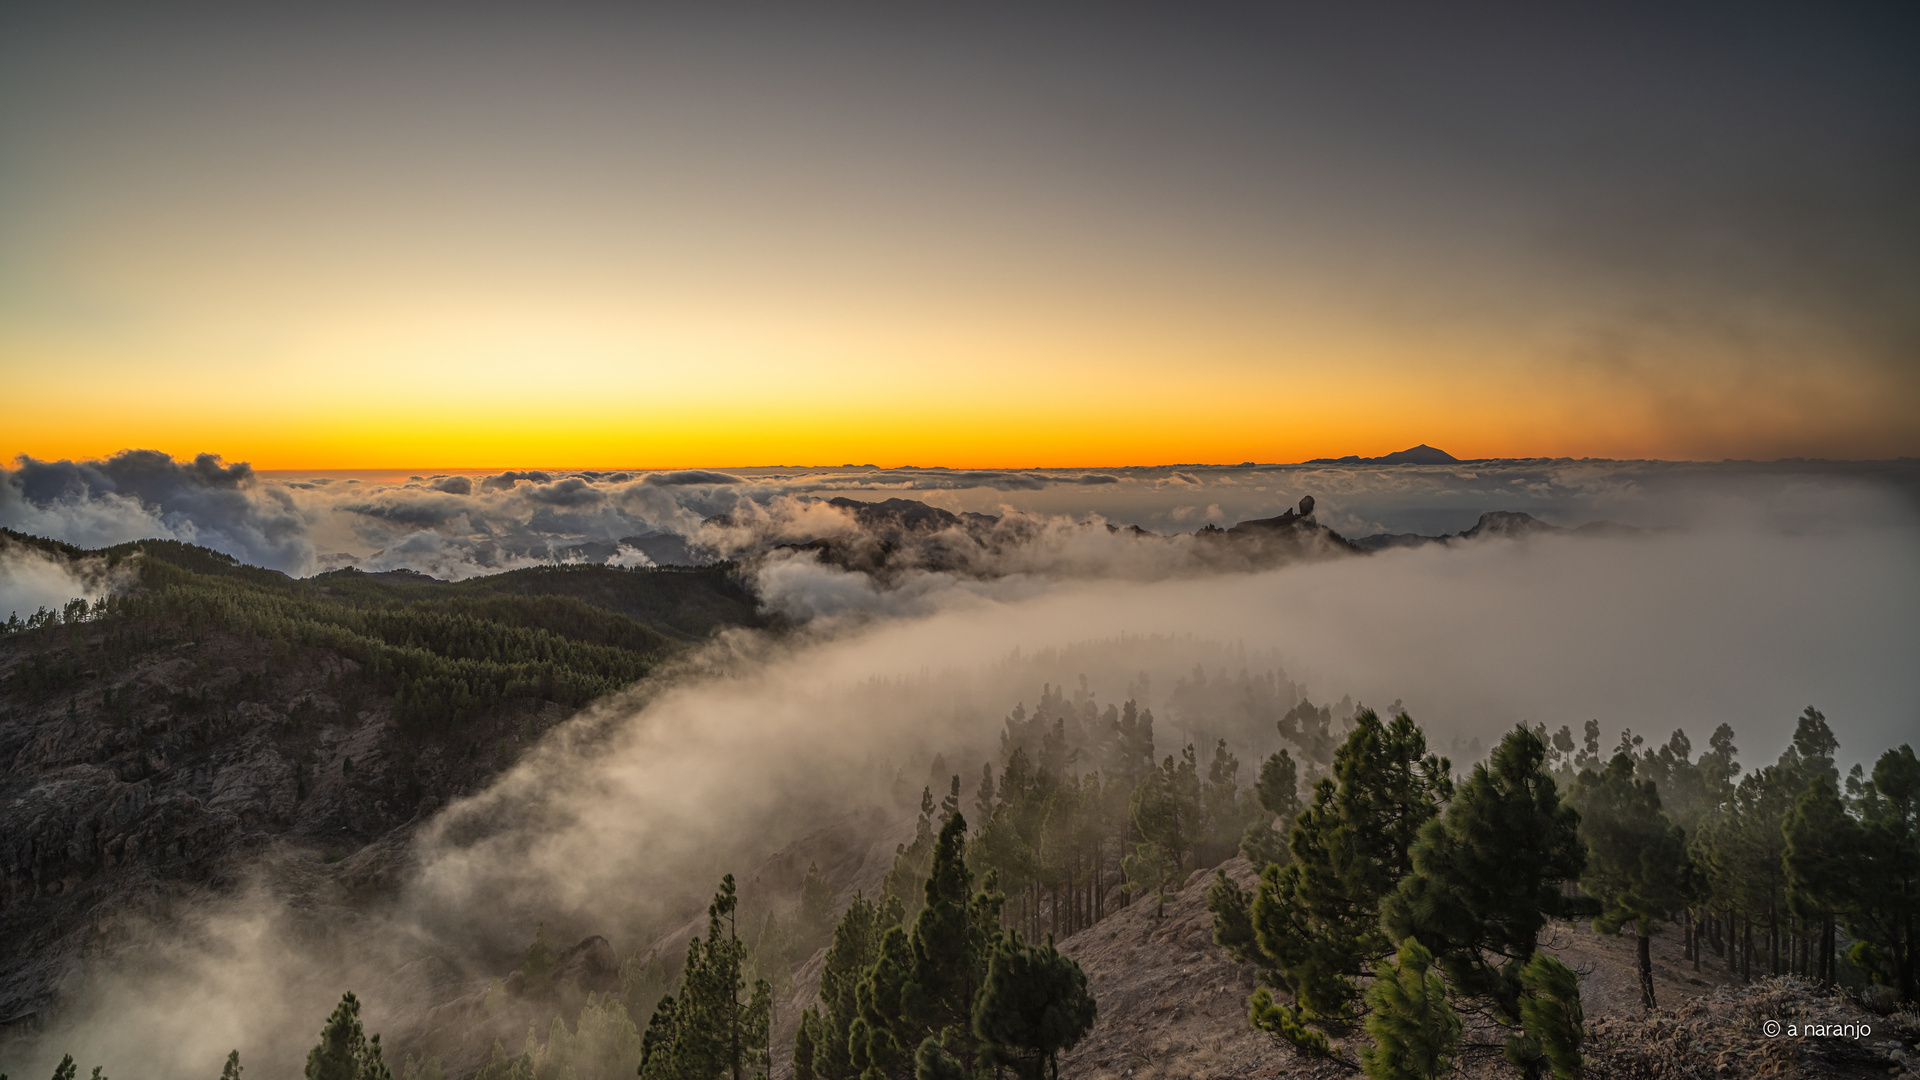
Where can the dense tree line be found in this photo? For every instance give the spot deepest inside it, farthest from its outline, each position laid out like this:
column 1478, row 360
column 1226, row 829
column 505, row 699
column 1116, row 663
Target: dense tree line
column 1790, row 869
column 1404, row 898
column 954, row 993
column 443, row 654
column 1083, row 812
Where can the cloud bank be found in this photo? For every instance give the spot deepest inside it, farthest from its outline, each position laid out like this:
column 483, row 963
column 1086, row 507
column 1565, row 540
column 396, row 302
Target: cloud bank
column 456, row 526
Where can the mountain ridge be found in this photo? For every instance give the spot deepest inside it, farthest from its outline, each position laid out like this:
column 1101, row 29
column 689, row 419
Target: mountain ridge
column 1412, row 455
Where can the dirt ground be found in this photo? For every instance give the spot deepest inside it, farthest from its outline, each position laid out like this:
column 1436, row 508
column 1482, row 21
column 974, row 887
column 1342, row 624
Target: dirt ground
column 1172, row 1004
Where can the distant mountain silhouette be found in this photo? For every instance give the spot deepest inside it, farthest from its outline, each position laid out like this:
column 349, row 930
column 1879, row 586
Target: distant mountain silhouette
column 1505, row 524
column 1413, row 455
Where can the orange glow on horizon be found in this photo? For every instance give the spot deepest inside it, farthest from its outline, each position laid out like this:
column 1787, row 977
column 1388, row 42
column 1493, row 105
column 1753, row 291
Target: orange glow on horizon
column 679, row 242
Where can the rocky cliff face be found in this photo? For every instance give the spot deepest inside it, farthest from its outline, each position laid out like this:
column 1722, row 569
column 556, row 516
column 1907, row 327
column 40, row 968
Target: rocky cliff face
column 137, row 783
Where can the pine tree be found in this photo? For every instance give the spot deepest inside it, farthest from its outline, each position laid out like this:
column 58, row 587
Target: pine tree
column 814, row 917
column 1553, row 1025
column 344, row 1051
column 1637, row 860
column 1034, row 1006
column 1228, row 810
column 643, row 980
column 709, row 1031
column 855, row 948
column 1232, row 909
column 1742, row 849
column 804, row 1046
column 232, row 1069
column 910, row 861
column 1278, row 792
column 874, row 1042
column 1168, row 808
column 1886, row 910
column 949, row 943
column 603, row 1045
column 856, row 945
column 1488, row 875
column 924, row 982
column 1822, row 864
column 656, row 1043
column 1414, row 1029
column 938, row 1060
column 537, row 965
column 1149, row 869
column 1289, row 1022
column 1318, row 918
column 985, row 795
column 500, row 1066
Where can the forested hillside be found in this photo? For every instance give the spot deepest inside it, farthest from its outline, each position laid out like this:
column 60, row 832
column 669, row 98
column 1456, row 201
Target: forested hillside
column 1412, row 919
column 156, row 737
column 444, row 651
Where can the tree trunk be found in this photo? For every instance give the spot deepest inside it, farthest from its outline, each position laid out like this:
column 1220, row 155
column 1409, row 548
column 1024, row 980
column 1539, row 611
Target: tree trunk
column 1693, row 936
column 1828, row 973
column 1746, row 948
column 1100, row 881
column 1773, row 939
column 1645, row 945
column 1904, row 959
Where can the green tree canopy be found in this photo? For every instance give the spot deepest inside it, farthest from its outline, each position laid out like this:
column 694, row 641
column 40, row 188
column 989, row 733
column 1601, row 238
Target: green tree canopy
column 1638, row 866
column 1886, row 901
column 717, row 1027
column 344, row 1051
column 1033, row 1006
column 1318, row 918
column 1488, row 875
column 1415, row 1030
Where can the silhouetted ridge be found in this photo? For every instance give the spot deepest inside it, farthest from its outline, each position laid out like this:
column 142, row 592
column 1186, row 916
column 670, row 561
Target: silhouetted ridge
column 1413, row 455
column 1503, row 524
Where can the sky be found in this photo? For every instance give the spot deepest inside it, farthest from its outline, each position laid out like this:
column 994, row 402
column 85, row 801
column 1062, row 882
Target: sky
column 469, row 237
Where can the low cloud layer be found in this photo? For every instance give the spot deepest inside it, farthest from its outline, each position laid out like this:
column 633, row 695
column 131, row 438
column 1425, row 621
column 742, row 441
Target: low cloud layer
column 143, row 493
column 456, row 526
column 1648, row 633
column 31, row 579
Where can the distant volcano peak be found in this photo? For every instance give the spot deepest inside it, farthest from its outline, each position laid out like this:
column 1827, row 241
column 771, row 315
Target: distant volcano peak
column 1414, row 455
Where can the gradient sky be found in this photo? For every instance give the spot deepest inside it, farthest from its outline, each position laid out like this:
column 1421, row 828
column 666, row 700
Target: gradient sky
column 980, row 236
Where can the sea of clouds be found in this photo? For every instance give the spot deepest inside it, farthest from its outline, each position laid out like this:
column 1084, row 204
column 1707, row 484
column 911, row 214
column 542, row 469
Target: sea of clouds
column 457, row 526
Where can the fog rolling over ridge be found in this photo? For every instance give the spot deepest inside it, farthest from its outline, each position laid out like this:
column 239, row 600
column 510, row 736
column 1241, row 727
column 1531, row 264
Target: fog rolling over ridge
column 1647, row 634
column 626, row 815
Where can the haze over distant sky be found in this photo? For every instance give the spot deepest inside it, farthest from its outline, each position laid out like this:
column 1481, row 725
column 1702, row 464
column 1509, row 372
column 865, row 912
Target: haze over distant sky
column 979, row 235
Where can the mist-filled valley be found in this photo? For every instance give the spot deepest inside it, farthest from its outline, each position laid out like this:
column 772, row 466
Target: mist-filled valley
column 232, row 795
